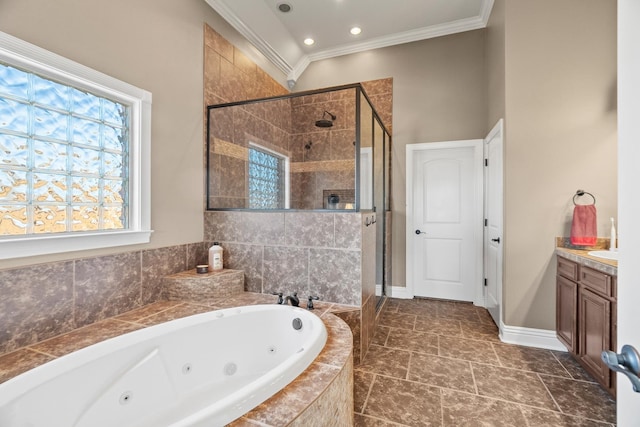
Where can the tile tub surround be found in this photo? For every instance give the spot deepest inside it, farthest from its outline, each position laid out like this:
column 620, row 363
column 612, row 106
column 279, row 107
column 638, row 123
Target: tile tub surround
column 190, row 285
column 44, row 300
column 324, row 254
column 325, row 387
column 311, row 253
column 440, row 363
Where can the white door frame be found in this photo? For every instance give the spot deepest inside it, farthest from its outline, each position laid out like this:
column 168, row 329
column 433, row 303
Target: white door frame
column 478, row 153
column 628, row 203
column 497, row 129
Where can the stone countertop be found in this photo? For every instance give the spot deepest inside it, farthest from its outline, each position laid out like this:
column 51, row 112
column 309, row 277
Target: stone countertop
column 581, row 256
column 276, row 411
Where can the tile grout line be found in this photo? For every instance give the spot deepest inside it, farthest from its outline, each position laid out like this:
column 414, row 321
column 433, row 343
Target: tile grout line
column 526, row 420
column 366, row 399
column 563, row 367
column 440, row 392
column 500, row 364
column 473, row 376
column 406, row 377
column 550, row 394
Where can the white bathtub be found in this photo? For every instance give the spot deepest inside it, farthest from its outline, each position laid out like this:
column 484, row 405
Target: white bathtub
column 202, row 370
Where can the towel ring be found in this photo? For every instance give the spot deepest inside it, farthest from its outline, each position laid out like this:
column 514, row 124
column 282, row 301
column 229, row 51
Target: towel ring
column 582, row 193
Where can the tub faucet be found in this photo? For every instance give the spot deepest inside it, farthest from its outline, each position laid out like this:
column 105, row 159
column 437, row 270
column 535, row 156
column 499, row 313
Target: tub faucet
column 295, row 301
column 279, row 294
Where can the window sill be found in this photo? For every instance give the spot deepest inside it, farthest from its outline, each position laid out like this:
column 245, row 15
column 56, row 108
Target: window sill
column 19, row 247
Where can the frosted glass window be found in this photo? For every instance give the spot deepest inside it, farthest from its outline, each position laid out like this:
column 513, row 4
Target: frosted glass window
column 64, row 157
column 266, row 179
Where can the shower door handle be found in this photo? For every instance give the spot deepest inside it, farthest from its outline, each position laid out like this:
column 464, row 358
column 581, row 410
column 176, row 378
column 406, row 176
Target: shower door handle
column 627, row 362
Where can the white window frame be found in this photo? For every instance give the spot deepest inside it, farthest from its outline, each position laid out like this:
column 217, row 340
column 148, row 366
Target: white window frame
column 19, row 53
column 287, row 170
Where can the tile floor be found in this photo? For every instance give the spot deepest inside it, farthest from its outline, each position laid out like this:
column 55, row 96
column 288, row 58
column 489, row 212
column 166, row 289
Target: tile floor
column 440, row 363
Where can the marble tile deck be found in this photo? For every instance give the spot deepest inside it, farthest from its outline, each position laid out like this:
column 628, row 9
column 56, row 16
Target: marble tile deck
column 440, row 363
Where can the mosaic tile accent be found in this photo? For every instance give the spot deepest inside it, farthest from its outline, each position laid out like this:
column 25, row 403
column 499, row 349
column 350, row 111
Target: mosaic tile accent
column 323, row 166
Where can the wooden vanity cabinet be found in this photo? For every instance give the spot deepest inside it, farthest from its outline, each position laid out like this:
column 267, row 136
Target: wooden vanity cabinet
column 586, row 317
column 567, row 313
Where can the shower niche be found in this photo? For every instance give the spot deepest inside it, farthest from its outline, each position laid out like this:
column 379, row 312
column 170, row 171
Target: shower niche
column 318, row 150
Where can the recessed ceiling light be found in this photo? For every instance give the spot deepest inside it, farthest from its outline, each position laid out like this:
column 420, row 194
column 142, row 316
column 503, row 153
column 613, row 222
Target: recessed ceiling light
column 309, row 41
column 284, row 7
column 355, row 30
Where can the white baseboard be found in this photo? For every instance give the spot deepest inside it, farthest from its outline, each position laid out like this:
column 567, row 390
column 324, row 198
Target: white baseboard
column 530, row 337
column 400, row 292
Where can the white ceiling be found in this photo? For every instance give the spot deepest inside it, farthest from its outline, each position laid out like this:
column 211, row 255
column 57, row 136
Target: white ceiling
column 279, row 36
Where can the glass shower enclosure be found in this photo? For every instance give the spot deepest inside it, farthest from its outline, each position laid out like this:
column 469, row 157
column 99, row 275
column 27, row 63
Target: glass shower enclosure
column 325, row 150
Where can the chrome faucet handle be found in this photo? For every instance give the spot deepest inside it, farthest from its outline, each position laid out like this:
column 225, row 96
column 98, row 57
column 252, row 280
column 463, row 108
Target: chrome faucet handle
column 279, row 294
column 310, row 302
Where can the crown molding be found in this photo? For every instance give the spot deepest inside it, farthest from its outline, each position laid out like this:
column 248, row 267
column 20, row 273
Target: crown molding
column 449, row 28
column 293, row 72
column 401, row 38
column 485, row 11
column 265, row 48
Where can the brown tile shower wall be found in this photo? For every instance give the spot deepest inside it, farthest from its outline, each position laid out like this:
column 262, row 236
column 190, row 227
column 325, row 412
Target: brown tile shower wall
column 323, row 158
column 45, row 300
column 230, row 76
column 306, row 252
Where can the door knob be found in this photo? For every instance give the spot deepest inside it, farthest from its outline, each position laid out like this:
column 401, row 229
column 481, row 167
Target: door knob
column 420, row 232
column 497, row 240
column 627, row 362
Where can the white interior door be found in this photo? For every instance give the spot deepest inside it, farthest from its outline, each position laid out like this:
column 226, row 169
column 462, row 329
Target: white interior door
column 445, row 229
column 629, row 200
column 493, row 240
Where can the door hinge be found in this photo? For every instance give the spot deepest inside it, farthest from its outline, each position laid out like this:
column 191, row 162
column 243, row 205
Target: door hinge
column 486, row 162
column 485, row 282
column 486, row 222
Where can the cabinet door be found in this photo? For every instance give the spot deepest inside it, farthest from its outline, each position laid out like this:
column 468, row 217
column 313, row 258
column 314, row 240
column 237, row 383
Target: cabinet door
column 567, row 313
column 594, row 334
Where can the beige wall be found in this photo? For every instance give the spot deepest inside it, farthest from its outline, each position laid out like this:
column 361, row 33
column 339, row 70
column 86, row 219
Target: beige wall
column 156, row 45
column 548, row 68
column 560, row 85
column 495, row 64
column 438, row 94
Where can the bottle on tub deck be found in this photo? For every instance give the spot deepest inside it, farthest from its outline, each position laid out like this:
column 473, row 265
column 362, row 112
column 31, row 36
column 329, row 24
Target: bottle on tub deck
column 215, row 257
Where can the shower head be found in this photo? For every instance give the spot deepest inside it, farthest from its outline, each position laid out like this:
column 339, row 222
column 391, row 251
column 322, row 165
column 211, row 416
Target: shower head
column 325, row 123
